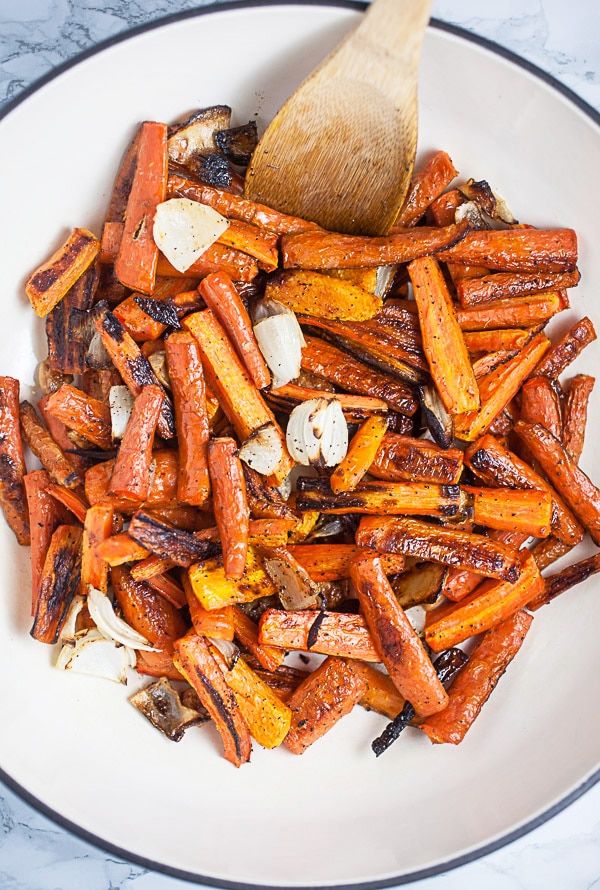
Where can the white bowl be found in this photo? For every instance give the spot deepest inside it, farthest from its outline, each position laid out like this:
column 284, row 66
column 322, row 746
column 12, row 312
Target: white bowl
column 335, row 816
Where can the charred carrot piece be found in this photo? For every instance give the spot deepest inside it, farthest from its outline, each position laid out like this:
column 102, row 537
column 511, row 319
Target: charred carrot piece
column 176, row 293
column 267, row 717
column 114, row 221
column 380, row 694
column 229, row 380
column 59, row 582
column 184, row 517
column 356, row 377
column 89, row 417
column 451, row 547
column 178, row 545
column 377, row 497
column 459, row 583
column 238, row 208
column 194, row 659
column 45, row 448
column 496, row 465
column 487, row 606
column 566, row 350
column 541, row 403
column 477, row 680
column 328, row 250
column 132, row 365
column 265, row 501
column 442, row 338
column 331, row 562
column 575, row 414
column 565, row 580
column 320, row 701
column 495, row 340
column 66, row 348
column 426, row 185
column 404, row 458
column 246, row 632
column 97, row 528
column 257, row 243
column 150, row 567
column 229, row 503
column 163, row 488
column 73, row 500
column 63, row 437
column 329, row 633
column 501, row 285
column 548, row 551
column 360, row 455
column 216, row 258
column 313, row 293
column 399, row 647
column 50, row 282
column 516, row 312
column 154, row 617
column 572, row 484
column 135, row 265
column 497, row 389
column 116, row 550
column 526, row 511
column 131, row 473
column 518, row 250
column 156, row 664
column 46, row 515
column 191, row 418
column 13, row 497
column 220, row 295
column 169, row 589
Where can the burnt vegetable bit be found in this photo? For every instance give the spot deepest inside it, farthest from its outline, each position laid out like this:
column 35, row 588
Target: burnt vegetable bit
column 163, row 706
column 159, row 310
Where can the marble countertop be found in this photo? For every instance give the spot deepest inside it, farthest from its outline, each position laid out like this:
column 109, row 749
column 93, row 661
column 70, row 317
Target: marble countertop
column 562, row 39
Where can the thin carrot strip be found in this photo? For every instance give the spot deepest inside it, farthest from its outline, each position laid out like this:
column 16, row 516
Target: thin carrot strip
column 135, row 265
column 116, row 550
column 46, row 515
column 169, row 589
column 575, row 414
column 566, row 350
column 97, row 528
column 425, row 187
column 220, row 295
column 191, row 418
column 329, row 633
column 131, row 473
column 59, row 582
column 501, row 285
column 400, row 648
column 89, row 417
column 114, row 221
column 73, row 500
column 246, row 632
column 50, row 282
column 516, row 312
column 45, row 448
column 13, row 497
column 360, row 455
column 519, row 250
column 230, row 504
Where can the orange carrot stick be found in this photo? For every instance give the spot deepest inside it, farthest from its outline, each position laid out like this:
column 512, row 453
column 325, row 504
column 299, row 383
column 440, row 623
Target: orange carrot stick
column 169, row 589
column 246, row 631
column 13, row 497
column 515, row 312
column 519, row 250
column 131, row 473
column 50, row 282
column 73, row 500
column 45, row 448
column 566, row 350
column 46, row 515
column 501, row 285
column 399, row 646
column 116, row 550
column 425, row 187
column 361, row 453
column 575, row 414
column 147, row 611
column 220, row 295
column 98, row 527
column 59, row 582
column 331, row 562
column 329, row 633
column 230, row 504
column 163, row 487
column 191, row 418
column 80, row 412
column 135, row 265
column 541, row 403
column 404, row 458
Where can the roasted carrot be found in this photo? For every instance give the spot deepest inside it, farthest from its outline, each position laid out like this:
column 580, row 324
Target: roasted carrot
column 220, row 295
column 89, row 417
column 477, row 680
column 404, row 458
column 331, row 562
column 378, row 497
column 229, row 503
column 329, row 633
column 66, row 348
column 499, row 286
column 119, row 549
column 216, row 258
column 131, row 473
column 50, row 282
column 169, row 589
column 489, row 604
column 360, row 455
column 398, row 645
column 566, row 350
column 45, row 448
column 114, row 220
column 163, row 487
column 380, row 694
column 519, row 250
column 147, row 611
column 195, row 661
column 355, row 408
column 257, row 243
column 59, row 582
column 313, row 293
column 320, row 701
column 572, row 484
column 97, row 528
column 151, row 566
column 209, row 623
column 181, row 547
column 565, row 580
column 549, row 550
column 13, row 497
column 246, row 632
column 494, row 340
column 541, row 402
column 575, row 414
column 135, row 265
column 133, row 366
column 425, row 186
column 518, row 510
column 46, row 515
column 327, row 250
column 451, row 547
column 515, row 312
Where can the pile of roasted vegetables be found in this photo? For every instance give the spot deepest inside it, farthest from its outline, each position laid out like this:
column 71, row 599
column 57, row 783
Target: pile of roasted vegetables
column 257, row 437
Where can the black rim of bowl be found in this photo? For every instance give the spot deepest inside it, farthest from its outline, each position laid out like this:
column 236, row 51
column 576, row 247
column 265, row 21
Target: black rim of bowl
column 173, row 872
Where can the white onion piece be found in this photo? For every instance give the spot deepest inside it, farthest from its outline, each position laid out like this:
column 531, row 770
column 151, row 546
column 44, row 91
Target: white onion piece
column 95, row 655
column 68, row 633
column 228, row 649
column 97, row 357
column 296, row 590
column 120, row 402
column 158, row 362
column 110, row 625
column 262, row 450
column 317, row 433
column 184, row 229
column 280, row 339
column 417, row 615
column 385, row 276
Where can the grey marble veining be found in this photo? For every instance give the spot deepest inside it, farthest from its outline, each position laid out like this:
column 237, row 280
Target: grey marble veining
column 562, row 39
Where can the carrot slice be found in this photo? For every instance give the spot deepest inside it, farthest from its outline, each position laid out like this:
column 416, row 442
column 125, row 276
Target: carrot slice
column 59, row 582
column 135, row 265
column 50, row 282
column 82, row 413
column 575, row 413
column 131, row 473
column 516, row 312
column 329, row 633
column 477, row 680
column 45, row 448
column 380, row 694
column 378, row 497
column 147, row 611
column 246, row 631
column 46, row 515
column 361, row 453
column 13, row 497
column 97, row 528
column 331, row 562
column 399, row 647
column 515, row 510
column 163, row 487
column 425, row 186
column 519, row 250
column 230, row 504
column 406, row 459
column 116, row 550
column 499, row 286
column 541, row 402
column 566, row 350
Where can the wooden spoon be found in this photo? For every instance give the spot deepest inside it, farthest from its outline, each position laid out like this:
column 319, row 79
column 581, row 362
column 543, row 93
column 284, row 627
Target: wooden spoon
column 341, row 150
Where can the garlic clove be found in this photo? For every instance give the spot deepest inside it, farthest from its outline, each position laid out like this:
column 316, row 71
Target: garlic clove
column 280, row 339
column 317, row 433
column 184, row 229
column 262, row 450
column 120, row 402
